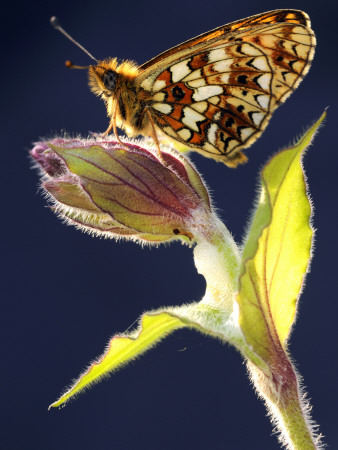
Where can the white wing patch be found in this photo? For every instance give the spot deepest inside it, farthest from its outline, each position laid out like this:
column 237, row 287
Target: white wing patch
column 158, row 85
column 185, row 134
column 250, row 50
column 264, row 81
column 191, row 118
column 218, row 54
column 260, row 63
column 200, row 106
column 194, row 75
column 223, row 66
column 257, row 117
column 204, row 92
column 246, row 133
column 180, row 70
column 212, row 136
column 263, row 100
column 164, row 108
column 197, row 83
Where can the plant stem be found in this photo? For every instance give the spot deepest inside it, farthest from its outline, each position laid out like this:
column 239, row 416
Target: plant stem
column 288, row 410
column 217, row 258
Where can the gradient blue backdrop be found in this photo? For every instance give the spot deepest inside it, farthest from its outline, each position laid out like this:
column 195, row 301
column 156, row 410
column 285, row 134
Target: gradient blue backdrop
column 65, row 293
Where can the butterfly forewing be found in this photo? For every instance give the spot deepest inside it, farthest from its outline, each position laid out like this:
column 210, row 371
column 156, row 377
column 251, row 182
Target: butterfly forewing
column 217, row 92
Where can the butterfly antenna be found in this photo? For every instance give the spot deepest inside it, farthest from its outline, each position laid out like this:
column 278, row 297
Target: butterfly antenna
column 54, row 21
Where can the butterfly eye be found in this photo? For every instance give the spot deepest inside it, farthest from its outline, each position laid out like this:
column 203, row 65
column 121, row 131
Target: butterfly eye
column 109, row 79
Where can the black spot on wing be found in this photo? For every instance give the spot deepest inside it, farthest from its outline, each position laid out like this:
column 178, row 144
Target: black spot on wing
column 178, row 93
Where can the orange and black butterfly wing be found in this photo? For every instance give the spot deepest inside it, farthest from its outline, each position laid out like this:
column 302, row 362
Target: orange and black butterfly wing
column 217, row 92
column 270, row 17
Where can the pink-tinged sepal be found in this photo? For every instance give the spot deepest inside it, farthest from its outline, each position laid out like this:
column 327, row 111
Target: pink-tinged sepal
column 124, row 190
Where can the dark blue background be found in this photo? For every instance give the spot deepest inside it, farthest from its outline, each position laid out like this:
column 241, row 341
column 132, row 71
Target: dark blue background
column 65, row 293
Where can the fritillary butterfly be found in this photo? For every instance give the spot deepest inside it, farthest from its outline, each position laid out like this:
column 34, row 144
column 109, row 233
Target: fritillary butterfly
column 216, row 92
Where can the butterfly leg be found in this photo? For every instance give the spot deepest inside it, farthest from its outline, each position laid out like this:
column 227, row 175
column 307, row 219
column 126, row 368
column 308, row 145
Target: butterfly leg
column 154, row 135
column 110, row 127
column 112, row 124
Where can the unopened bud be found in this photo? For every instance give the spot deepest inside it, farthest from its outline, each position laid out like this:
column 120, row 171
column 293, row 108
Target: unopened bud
column 124, row 190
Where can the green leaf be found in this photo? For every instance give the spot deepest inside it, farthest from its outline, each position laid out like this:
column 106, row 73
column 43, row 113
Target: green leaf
column 277, row 252
column 154, row 326
column 122, row 349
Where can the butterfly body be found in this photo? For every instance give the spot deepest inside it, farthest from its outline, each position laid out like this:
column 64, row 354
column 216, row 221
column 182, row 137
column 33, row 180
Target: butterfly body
column 216, row 92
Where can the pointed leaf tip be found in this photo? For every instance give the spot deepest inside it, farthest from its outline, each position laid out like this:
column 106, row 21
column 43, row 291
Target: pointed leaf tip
column 122, row 349
column 277, row 251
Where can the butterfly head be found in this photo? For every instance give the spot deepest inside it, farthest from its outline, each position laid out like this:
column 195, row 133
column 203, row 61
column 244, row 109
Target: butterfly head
column 107, row 77
column 103, row 78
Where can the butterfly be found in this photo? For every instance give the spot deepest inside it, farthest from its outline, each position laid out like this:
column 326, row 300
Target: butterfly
column 214, row 93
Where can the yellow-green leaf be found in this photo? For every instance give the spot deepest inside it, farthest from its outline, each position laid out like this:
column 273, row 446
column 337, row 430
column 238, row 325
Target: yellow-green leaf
column 124, row 348
column 277, row 252
column 155, row 326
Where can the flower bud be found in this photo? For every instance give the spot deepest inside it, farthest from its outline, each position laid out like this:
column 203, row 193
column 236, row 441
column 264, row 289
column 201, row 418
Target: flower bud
column 124, row 190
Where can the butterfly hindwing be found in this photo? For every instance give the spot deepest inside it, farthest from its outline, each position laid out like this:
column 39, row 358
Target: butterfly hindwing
column 217, row 92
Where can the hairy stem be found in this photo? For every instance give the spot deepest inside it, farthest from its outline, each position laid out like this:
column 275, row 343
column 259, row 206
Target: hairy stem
column 288, row 409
